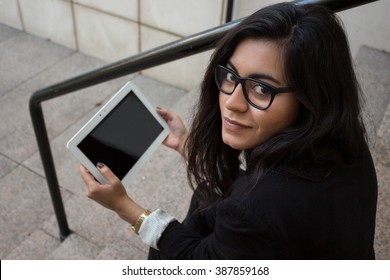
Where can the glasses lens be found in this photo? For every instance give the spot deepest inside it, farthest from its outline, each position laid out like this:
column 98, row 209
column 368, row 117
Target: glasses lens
column 258, row 93
column 226, row 80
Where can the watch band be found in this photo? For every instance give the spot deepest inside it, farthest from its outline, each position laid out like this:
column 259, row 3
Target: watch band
column 139, row 221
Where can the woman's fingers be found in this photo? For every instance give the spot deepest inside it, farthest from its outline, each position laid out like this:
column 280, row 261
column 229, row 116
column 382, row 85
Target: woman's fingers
column 164, row 113
column 107, row 173
column 178, row 132
column 87, row 176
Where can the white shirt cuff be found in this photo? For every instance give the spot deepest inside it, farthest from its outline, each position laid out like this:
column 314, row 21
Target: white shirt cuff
column 153, row 227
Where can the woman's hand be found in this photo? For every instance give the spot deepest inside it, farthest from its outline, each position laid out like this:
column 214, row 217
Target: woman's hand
column 112, row 195
column 178, row 136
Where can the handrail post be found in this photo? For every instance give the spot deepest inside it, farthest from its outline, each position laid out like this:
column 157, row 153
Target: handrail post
column 48, row 166
column 229, row 11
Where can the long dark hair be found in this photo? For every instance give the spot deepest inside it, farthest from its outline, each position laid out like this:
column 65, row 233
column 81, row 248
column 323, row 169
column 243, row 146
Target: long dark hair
column 329, row 131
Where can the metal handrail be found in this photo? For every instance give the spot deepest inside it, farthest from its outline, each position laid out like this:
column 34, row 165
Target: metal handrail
column 179, row 49
column 229, row 10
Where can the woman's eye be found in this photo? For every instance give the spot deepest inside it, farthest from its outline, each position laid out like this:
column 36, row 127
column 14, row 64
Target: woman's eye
column 262, row 90
column 230, row 77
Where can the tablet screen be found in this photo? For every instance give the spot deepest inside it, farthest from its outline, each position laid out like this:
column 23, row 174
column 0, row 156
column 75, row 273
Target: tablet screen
column 122, row 137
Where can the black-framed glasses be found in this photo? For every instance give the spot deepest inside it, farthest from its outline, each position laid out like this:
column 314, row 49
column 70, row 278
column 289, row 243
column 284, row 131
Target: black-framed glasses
column 257, row 93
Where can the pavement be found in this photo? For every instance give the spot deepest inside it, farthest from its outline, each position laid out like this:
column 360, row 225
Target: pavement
column 28, row 228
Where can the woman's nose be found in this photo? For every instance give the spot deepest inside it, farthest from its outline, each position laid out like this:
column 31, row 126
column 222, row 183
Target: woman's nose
column 236, row 101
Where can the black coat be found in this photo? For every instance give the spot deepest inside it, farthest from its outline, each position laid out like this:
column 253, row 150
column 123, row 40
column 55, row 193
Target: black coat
column 282, row 217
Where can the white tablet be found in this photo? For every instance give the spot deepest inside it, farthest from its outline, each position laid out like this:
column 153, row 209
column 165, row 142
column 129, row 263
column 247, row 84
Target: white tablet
column 122, row 134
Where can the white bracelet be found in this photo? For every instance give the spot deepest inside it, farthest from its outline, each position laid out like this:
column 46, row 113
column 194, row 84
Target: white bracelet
column 153, row 227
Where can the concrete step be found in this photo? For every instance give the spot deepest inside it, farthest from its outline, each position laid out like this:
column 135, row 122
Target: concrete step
column 373, row 67
column 381, row 156
column 373, row 71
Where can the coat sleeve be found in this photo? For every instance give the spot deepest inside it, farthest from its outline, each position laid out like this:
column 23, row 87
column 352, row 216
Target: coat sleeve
column 238, row 234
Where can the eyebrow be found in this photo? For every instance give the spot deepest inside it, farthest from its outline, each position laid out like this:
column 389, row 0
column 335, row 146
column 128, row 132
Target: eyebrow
column 255, row 75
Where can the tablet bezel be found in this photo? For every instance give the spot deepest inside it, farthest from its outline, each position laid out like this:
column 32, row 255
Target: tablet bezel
column 128, row 88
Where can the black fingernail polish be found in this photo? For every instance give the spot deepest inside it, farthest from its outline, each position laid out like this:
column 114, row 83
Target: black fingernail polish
column 100, row 165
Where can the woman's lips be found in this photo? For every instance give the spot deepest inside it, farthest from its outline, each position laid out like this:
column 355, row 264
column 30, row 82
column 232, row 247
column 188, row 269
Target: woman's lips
column 233, row 125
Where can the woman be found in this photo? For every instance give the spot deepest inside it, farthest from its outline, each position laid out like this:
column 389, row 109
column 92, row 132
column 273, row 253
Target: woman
column 277, row 152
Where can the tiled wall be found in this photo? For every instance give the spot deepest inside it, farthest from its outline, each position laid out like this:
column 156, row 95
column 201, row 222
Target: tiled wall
column 365, row 25
column 116, row 29
column 368, row 25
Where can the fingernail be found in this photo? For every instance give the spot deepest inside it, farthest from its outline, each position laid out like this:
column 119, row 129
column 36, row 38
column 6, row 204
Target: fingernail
column 159, row 107
column 100, row 165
